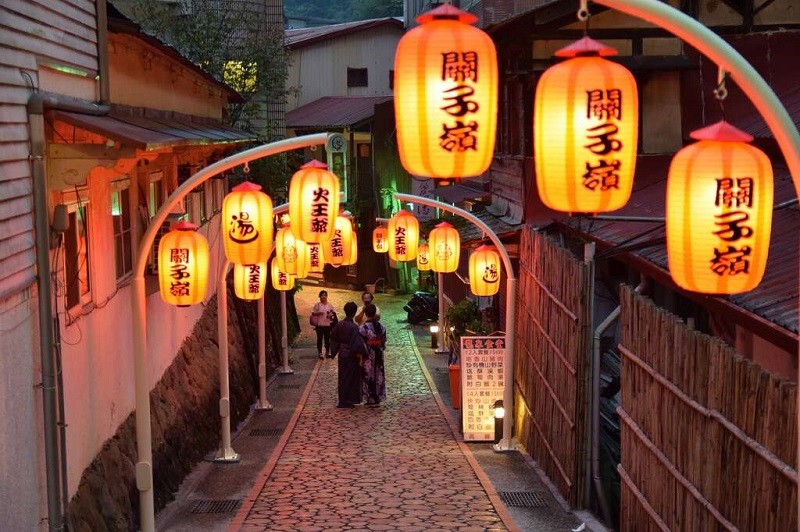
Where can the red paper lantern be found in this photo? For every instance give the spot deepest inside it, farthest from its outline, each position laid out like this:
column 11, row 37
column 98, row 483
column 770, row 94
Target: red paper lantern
column 249, row 280
column 445, row 248
column 719, row 212
column 313, row 202
column 291, row 253
column 484, row 271
column 280, row 279
column 247, row 224
column 423, row 258
column 316, row 260
column 338, row 249
column 380, row 239
column 586, row 126
column 403, row 236
column 445, row 95
column 183, row 265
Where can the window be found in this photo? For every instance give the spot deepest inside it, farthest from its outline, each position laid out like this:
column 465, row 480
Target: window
column 197, row 206
column 121, row 217
column 76, row 257
column 357, row 77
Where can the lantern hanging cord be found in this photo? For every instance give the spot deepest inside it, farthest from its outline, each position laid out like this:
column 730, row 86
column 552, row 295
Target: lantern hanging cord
column 583, row 15
column 246, row 168
column 721, row 91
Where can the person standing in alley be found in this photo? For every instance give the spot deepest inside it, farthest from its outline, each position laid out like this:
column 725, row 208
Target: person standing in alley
column 374, row 378
column 347, row 343
column 322, row 317
column 366, row 299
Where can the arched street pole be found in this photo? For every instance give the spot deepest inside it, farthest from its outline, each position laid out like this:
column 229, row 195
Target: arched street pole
column 285, row 368
column 511, row 294
column 144, row 448
column 226, row 452
column 746, row 77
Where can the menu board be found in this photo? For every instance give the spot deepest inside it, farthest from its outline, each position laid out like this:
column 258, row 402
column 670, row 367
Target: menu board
column 482, row 383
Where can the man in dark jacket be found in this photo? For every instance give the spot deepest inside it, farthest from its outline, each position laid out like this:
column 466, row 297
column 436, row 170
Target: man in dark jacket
column 347, row 343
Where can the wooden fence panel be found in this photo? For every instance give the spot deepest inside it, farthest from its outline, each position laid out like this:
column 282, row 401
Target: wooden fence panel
column 551, row 366
column 707, row 436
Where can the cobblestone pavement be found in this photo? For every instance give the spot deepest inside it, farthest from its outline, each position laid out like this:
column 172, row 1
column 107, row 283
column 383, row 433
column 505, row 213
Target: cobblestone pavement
column 388, row 468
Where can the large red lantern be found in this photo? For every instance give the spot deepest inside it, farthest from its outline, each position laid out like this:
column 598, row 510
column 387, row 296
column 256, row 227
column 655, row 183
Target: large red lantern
column 445, row 95
column 291, row 253
column 719, row 212
column 337, row 250
column 280, row 279
column 247, row 224
column 423, row 258
column 313, row 202
column 445, row 248
column 380, row 239
column 484, row 271
column 586, row 127
column 403, row 231
column 249, row 280
column 183, row 265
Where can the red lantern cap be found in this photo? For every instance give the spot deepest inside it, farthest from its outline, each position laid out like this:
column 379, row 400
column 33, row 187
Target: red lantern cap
column 586, row 46
column 313, row 163
column 247, row 186
column 185, row 226
column 483, row 247
column 721, row 131
column 443, row 224
column 447, row 12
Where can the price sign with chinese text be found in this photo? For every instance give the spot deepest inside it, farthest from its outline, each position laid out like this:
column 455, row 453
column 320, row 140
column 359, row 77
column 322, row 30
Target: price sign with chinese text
column 482, row 379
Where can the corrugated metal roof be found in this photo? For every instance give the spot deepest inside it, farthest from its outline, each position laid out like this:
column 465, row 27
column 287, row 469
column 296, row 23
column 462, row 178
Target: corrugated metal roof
column 776, row 297
column 155, row 132
column 334, row 112
column 300, row 37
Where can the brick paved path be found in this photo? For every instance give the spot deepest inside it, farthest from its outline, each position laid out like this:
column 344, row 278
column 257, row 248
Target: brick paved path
column 396, row 467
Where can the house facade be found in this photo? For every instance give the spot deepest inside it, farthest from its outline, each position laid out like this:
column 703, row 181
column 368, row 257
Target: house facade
column 104, row 121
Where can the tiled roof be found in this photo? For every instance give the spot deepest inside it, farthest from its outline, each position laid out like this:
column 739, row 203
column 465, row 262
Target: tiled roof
column 300, row 37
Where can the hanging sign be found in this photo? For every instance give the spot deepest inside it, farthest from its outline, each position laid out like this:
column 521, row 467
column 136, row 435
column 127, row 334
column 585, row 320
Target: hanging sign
column 482, row 383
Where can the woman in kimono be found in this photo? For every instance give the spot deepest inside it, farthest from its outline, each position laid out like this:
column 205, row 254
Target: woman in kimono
column 373, row 376
column 347, row 343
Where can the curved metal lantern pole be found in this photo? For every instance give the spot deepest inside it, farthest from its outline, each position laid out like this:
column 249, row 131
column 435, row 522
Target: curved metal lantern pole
column 226, row 452
column 144, row 449
column 511, row 291
column 742, row 72
column 285, row 368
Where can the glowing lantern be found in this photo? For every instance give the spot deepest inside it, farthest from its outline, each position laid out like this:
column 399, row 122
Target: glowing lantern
column 280, row 279
column 423, row 258
column 586, row 122
column 249, row 280
column 313, row 202
column 247, row 224
column 380, row 239
column 403, row 236
column 316, row 260
column 484, row 271
column 445, row 248
column 719, row 212
column 445, row 95
column 291, row 252
column 183, row 265
column 352, row 257
column 337, row 250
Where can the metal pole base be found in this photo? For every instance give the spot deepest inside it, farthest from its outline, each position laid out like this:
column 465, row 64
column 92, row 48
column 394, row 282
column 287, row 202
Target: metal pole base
column 503, row 446
column 263, row 405
column 285, row 370
column 227, row 456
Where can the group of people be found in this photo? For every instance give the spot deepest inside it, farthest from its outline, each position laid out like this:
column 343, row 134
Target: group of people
column 359, row 341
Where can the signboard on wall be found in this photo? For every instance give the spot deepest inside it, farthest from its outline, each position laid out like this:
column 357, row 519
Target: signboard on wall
column 482, row 383
column 336, row 149
column 423, row 188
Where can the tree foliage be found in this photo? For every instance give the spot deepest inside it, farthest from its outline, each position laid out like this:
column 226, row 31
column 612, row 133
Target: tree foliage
column 343, row 10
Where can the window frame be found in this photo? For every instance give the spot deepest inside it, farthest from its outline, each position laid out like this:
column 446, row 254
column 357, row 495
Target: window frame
column 354, row 77
column 122, row 188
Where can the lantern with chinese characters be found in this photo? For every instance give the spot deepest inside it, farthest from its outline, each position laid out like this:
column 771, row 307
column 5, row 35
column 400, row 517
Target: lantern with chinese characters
column 247, row 224
column 280, row 280
column 316, row 259
column 484, row 271
column 313, row 202
column 249, row 280
column 445, row 248
column 445, row 95
column 719, row 212
column 586, row 126
column 380, row 239
column 403, row 231
column 423, row 258
column 183, row 265
column 291, row 252
column 337, row 250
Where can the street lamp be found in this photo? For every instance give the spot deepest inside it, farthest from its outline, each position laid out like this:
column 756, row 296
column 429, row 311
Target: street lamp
column 434, row 335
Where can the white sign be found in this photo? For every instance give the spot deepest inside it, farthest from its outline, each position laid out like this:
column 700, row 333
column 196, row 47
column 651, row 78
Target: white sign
column 482, row 383
column 424, row 189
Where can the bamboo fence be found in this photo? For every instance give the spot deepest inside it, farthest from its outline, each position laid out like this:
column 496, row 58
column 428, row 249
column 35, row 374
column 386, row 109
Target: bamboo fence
column 551, row 369
column 707, row 436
